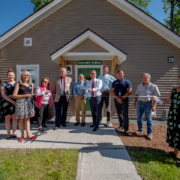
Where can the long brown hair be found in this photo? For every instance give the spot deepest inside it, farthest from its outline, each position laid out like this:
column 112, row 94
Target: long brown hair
column 10, row 70
column 48, row 81
column 0, row 81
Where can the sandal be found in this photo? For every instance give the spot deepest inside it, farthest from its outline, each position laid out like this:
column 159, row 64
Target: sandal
column 14, row 136
column 8, row 138
column 21, row 139
column 33, row 137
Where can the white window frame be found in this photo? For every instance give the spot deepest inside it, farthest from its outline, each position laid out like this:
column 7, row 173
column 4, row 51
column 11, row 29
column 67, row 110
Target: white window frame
column 30, row 66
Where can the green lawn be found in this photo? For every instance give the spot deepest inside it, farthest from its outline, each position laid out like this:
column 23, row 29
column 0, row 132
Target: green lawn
column 154, row 164
column 35, row 164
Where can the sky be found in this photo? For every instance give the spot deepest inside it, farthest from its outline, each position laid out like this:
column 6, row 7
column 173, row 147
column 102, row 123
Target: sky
column 14, row 11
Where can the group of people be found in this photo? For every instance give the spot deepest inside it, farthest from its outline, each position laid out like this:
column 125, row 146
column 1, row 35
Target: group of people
column 17, row 102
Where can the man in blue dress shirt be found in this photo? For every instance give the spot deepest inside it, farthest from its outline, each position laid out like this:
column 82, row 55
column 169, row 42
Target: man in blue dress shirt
column 121, row 89
column 94, row 87
column 80, row 99
column 107, row 81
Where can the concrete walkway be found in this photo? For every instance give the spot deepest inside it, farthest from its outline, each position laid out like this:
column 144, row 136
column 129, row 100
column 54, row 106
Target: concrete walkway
column 102, row 154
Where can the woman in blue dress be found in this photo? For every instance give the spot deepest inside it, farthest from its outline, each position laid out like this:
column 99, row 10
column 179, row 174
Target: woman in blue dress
column 8, row 104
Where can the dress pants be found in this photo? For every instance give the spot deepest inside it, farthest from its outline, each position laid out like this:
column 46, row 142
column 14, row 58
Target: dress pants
column 61, row 119
column 122, row 111
column 42, row 114
column 80, row 104
column 106, row 97
column 95, row 104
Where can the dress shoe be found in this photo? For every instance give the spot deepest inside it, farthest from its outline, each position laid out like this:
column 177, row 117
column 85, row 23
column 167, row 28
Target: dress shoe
column 40, row 129
column 126, row 133
column 56, row 127
column 107, row 124
column 44, row 126
column 95, row 129
column 92, row 125
column 64, row 125
column 120, row 128
column 77, row 123
column 83, row 124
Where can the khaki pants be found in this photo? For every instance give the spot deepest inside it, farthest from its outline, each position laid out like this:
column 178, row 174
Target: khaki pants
column 80, row 104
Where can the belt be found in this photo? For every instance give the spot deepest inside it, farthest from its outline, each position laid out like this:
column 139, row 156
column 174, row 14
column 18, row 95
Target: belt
column 104, row 92
column 145, row 102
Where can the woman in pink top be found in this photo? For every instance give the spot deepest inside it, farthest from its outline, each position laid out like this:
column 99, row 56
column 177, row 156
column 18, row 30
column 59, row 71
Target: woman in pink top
column 44, row 102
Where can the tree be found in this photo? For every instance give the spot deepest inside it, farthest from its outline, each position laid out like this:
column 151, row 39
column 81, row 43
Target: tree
column 173, row 8
column 39, row 3
column 142, row 4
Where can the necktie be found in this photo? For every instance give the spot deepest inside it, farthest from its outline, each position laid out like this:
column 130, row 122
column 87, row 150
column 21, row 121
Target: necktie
column 80, row 89
column 62, row 86
column 92, row 88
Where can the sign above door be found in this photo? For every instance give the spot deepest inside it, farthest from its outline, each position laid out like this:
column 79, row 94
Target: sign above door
column 89, row 62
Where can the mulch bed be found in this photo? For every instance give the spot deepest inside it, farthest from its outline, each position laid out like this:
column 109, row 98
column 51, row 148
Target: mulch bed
column 158, row 142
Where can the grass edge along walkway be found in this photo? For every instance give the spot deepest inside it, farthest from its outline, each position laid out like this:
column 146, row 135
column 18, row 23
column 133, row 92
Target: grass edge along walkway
column 35, row 164
column 154, row 164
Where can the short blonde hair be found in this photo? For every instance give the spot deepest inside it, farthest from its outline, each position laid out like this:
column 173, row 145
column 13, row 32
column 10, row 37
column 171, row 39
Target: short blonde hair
column 146, row 74
column 21, row 78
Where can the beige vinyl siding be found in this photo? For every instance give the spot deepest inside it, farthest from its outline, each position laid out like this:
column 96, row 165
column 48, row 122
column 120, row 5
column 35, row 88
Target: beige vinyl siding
column 88, row 46
column 146, row 50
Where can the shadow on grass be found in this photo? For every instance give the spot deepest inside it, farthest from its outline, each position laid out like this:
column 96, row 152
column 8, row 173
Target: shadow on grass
column 146, row 155
column 154, row 163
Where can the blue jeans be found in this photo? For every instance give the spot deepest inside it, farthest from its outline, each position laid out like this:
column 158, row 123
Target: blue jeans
column 141, row 108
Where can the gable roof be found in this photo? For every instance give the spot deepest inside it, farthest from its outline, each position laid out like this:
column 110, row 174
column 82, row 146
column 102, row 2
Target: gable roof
column 31, row 21
column 123, row 5
column 89, row 34
column 147, row 20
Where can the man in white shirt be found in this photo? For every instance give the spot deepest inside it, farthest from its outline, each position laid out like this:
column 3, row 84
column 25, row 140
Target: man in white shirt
column 145, row 104
column 94, row 88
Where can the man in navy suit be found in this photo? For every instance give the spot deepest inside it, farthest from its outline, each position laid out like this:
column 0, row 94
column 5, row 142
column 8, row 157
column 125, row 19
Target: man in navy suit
column 94, row 87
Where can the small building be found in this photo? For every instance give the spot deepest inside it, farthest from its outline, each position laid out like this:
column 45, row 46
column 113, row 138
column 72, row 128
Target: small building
column 84, row 35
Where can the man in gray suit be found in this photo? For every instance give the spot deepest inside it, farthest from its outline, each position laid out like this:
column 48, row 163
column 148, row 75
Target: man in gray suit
column 62, row 91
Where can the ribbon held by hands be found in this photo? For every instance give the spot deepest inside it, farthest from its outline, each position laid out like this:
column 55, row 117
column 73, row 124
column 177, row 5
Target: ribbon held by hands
column 158, row 100
column 88, row 93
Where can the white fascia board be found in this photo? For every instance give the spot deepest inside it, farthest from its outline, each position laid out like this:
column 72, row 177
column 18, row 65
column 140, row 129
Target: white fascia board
column 147, row 21
column 88, row 57
column 88, row 54
column 93, row 37
column 31, row 19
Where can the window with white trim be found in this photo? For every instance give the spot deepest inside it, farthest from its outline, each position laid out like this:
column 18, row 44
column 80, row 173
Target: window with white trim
column 27, row 41
column 34, row 71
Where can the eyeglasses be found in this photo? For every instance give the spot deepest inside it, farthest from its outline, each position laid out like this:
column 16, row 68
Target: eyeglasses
column 45, row 82
column 25, row 75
